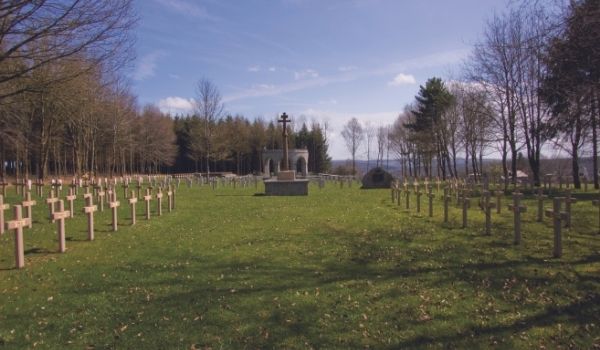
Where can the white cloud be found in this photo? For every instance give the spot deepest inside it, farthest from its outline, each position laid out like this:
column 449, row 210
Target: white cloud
column 306, row 74
column 186, row 8
column 146, row 67
column 272, row 69
column 403, row 79
column 253, row 68
column 174, row 76
column 439, row 59
column 346, row 68
column 176, row 105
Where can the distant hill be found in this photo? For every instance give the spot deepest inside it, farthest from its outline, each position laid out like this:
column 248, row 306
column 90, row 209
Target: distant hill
column 557, row 166
column 395, row 167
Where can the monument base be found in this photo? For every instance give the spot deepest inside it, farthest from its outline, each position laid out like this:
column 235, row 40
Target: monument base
column 286, row 175
column 286, row 187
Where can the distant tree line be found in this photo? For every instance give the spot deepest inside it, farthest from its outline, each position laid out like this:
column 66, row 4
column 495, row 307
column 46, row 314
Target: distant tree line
column 237, row 143
column 531, row 83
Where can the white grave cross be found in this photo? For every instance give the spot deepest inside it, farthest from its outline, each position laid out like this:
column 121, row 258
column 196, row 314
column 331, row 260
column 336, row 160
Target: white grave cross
column 17, row 225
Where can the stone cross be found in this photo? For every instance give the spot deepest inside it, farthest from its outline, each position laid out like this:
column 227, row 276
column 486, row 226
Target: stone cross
column 173, row 199
column 466, row 203
column 114, row 205
column 517, row 209
column 89, row 209
column 284, row 120
column 132, row 201
column 487, row 206
column 3, row 184
column 50, row 201
column 16, row 184
column 430, row 196
column 159, row 196
column 540, row 210
column 39, row 187
column 557, row 217
column 23, row 184
column 568, row 201
column 74, row 186
column 17, row 225
column 499, row 195
column 27, row 204
column 57, row 188
column 147, row 198
column 407, row 192
column 87, row 188
column 596, row 203
column 170, row 198
column 418, row 200
column 101, row 194
column 446, row 198
column 70, row 198
column 3, row 207
column 60, row 216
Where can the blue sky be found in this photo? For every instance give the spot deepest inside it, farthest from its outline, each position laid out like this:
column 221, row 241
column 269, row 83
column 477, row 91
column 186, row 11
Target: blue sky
column 321, row 60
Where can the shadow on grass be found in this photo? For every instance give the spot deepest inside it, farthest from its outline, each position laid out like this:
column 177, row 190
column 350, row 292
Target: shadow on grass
column 37, row 250
column 263, row 296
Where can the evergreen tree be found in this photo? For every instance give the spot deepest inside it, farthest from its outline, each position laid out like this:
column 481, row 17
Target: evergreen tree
column 428, row 128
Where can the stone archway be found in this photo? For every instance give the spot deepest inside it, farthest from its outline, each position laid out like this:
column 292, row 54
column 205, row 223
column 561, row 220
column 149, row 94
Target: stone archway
column 270, row 166
column 275, row 157
column 301, row 166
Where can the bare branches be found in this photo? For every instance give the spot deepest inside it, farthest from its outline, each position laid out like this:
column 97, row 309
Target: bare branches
column 36, row 34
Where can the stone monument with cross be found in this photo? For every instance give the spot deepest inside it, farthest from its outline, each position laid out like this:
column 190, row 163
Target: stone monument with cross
column 286, row 183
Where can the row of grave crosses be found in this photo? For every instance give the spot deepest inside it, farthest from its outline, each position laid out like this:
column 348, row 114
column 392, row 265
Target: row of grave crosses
column 488, row 201
column 58, row 214
column 23, row 186
column 247, row 180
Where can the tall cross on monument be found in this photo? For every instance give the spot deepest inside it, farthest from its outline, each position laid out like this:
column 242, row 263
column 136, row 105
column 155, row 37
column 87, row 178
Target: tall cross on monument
column 285, row 119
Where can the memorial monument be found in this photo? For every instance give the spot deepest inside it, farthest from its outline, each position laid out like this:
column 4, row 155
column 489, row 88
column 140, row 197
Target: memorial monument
column 286, row 184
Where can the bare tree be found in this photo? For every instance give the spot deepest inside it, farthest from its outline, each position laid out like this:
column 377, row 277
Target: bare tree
column 209, row 107
column 370, row 134
column 493, row 66
column 353, row 135
column 34, row 34
column 382, row 141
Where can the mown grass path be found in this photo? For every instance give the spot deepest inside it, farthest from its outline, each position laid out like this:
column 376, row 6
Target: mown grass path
column 341, row 268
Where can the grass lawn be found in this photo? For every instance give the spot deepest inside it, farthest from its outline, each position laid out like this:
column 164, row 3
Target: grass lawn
column 341, row 268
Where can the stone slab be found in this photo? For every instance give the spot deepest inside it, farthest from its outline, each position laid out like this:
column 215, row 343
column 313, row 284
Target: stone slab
column 286, row 188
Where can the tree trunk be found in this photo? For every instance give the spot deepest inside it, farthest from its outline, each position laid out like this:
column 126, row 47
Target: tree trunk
column 594, row 103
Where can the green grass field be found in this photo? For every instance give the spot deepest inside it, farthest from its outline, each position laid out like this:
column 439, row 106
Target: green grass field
column 341, row 268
